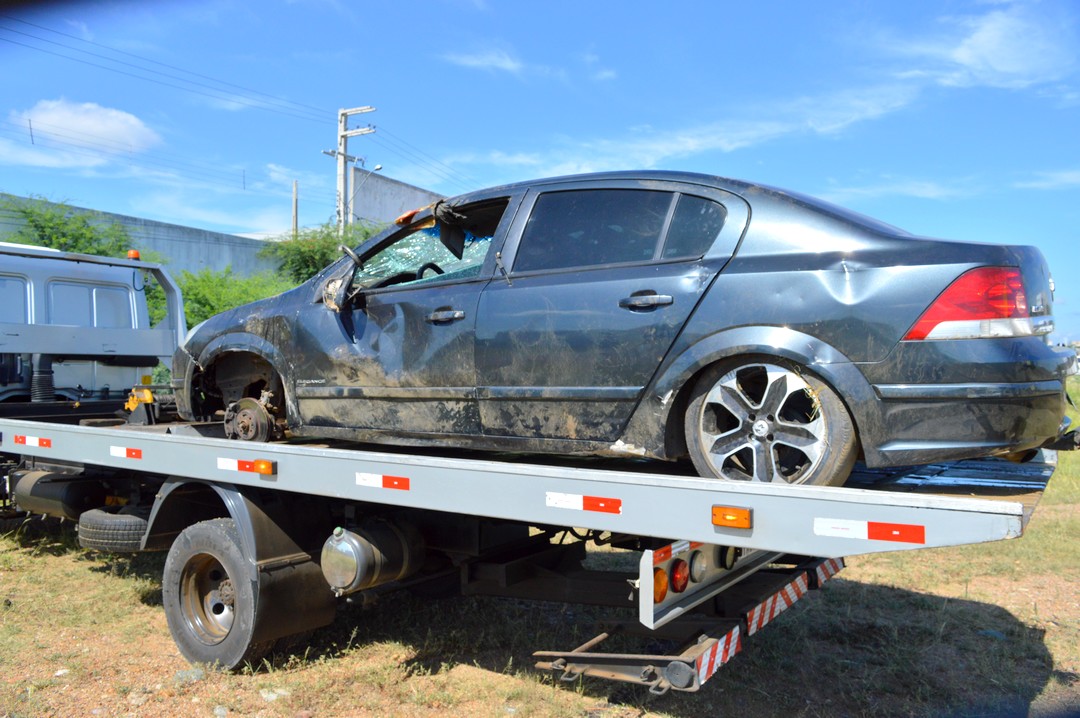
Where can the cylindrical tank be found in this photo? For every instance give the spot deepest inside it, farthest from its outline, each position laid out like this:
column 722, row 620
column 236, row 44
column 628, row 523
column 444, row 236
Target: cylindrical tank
column 61, row 495
column 376, row 553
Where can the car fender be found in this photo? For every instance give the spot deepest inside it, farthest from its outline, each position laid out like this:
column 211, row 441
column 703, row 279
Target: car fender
column 664, row 400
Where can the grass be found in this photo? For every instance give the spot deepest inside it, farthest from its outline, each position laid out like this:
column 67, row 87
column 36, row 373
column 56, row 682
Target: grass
column 980, row 630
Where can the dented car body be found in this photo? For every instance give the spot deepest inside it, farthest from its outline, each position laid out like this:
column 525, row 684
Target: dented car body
column 766, row 335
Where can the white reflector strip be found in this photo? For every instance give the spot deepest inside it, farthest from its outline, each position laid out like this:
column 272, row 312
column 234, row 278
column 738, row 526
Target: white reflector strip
column 577, row 502
column 721, row 652
column 38, row 441
column 228, row 464
column 124, row 452
column 776, row 604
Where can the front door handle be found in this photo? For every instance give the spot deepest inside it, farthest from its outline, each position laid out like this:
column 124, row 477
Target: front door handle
column 648, row 300
column 444, row 316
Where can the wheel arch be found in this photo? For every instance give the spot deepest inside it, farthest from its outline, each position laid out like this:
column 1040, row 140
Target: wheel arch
column 659, row 415
column 235, row 345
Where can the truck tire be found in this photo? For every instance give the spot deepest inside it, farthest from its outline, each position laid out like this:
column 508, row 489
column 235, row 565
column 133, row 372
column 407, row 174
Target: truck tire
column 210, row 602
column 102, row 530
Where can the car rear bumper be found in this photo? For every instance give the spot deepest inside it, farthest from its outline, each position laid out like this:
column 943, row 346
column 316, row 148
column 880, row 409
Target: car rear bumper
column 947, row 422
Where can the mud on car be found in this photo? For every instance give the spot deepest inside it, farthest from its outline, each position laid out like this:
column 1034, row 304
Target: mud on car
column 765, row 335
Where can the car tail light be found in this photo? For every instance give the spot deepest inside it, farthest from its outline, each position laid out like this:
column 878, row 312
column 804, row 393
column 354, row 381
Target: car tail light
column 981, row 303
column 680, row 575
column 659, row 585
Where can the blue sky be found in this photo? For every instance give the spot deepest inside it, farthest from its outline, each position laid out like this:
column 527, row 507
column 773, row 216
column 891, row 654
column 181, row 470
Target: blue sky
column 949, row 119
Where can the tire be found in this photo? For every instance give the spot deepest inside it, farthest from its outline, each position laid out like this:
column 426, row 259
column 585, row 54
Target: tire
column 102, row 530
column 767, row 420
column 209, row 600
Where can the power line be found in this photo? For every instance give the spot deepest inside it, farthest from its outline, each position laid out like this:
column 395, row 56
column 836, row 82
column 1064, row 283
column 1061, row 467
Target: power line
column 392, row 143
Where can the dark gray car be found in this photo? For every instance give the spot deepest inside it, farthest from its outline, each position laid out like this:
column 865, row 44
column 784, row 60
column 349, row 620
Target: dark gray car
column 766, row 335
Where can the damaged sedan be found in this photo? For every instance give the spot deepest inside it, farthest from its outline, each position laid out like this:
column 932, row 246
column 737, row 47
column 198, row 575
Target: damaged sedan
column 763, row 335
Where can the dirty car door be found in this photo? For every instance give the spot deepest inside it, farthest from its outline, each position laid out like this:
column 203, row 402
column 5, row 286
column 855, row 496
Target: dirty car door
column 399, row 357
column 603, row 279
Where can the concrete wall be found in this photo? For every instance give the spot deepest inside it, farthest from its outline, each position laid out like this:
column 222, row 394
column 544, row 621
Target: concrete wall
column 381, row 200
column 184, row 247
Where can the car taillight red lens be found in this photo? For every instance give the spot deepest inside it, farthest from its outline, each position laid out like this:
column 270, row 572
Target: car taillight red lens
column 981, row 303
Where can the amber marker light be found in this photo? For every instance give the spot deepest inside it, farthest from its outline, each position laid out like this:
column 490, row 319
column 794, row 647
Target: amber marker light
column 659, row 585
column 732, row 517
column 265, row 467
column 133, row 254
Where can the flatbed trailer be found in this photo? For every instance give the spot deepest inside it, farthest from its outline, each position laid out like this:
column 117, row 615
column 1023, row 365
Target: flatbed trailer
column 264, row 539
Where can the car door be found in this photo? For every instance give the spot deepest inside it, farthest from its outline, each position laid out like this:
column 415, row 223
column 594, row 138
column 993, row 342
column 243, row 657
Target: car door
column 398, row 357
column 602, row 277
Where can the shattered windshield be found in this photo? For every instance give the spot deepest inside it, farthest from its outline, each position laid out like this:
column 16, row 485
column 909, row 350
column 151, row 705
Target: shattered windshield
column 420, row 256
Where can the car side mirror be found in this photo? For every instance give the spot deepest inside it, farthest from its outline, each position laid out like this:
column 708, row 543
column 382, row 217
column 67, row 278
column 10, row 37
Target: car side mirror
column 335, row 292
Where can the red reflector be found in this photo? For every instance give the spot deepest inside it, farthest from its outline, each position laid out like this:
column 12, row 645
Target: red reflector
column 902, row 533
column 983, row 293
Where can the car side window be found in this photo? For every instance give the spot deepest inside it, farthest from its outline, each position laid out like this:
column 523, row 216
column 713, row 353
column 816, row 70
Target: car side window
column 581, row 228
column 695, row 226
column 420, row 253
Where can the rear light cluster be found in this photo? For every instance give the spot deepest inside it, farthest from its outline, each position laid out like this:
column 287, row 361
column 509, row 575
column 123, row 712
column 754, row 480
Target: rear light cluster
column 982, row 303
column 680, row 574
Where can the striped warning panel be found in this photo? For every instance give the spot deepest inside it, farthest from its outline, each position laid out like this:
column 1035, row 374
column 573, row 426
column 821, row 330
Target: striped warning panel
column 674, row 549
column 720, row 653
column 38, row 441
column 774, row 605
column 827, row 569
column 383, row 481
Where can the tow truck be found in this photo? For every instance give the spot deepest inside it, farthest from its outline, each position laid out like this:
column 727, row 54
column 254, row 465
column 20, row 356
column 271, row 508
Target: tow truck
column 264, row 539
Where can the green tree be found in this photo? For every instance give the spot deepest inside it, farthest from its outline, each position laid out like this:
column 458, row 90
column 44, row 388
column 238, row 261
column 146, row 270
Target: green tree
column 207, row 293
column 314, row 248
column 56, row 225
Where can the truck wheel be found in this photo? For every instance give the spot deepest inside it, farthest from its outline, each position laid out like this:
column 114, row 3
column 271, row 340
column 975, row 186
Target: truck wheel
column 771, row 421
column 102, row 530
column 209, row 600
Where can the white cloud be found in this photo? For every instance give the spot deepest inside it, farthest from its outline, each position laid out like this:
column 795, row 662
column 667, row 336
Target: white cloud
column 888, row 186
column 487, row 60
column 1062, row 179
column 1014, row 47
column 78, row 135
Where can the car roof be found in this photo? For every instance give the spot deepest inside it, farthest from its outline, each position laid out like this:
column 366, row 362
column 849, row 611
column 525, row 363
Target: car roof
column 754, row 193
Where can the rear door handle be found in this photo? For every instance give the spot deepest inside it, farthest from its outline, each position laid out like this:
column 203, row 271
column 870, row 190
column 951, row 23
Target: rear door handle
column 645, row 301
column 444, row 316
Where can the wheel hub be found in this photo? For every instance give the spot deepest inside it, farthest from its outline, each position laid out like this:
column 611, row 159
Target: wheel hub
column 760, row 429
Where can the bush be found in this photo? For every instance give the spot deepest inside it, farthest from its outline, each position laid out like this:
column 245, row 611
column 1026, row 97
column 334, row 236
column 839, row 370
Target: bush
column 207, row 293
column 313, row 249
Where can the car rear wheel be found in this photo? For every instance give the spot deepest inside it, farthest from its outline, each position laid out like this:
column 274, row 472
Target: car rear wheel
column 771, row 421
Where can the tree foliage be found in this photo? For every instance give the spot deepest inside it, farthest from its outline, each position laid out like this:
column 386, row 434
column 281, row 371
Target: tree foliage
column 56, row 225
column 207, row 293
column 314, row 248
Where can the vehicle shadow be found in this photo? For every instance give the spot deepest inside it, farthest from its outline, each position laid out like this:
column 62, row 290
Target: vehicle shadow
column 848, row 649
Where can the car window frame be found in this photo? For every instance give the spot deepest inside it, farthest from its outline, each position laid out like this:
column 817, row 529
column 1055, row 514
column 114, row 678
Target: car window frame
column 370, row 248
column 723, row 246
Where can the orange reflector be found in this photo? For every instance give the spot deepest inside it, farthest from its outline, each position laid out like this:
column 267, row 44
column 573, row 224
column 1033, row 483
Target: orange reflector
column 732, row 517
column 659, row 585
column 133, row 254
column 680, row 575
column 262, row 466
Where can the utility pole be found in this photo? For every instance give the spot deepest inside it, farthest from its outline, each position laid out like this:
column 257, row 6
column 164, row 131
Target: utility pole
column 343, row 159
column 295, row 207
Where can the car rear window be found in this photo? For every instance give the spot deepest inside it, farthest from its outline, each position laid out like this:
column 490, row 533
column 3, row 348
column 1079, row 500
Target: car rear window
column 694, row 228
column 582, row 228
